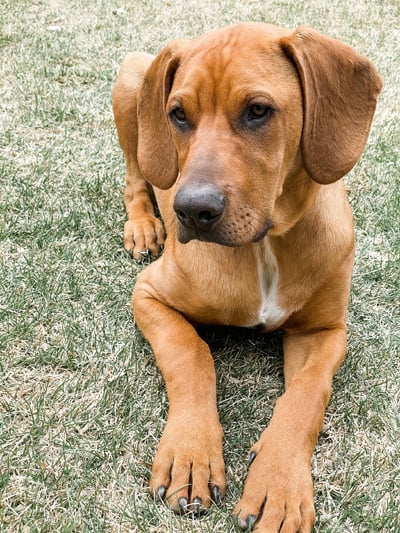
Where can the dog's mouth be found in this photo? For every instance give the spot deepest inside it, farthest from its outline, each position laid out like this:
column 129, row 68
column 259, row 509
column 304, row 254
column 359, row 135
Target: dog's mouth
column 186, row 235
column 232, row 235
column 263, row 231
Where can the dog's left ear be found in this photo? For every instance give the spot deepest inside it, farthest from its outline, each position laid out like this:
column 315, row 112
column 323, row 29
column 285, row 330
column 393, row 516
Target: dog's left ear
column 340, row 90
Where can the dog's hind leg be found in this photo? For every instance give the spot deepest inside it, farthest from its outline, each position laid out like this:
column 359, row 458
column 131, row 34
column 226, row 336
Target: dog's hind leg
column 143, row 232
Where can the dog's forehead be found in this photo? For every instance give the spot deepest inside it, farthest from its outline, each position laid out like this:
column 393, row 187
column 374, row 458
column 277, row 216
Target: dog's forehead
column 237, row 36
column 237, row 56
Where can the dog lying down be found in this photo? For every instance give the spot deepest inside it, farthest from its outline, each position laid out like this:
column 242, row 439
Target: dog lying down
column 242, row 137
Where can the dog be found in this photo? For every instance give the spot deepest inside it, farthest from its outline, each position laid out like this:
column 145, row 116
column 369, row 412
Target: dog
column 243, row 135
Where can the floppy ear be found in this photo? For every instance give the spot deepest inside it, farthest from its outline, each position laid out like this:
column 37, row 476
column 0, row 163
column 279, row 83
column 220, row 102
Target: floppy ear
column 157, row 156
column 340, row 89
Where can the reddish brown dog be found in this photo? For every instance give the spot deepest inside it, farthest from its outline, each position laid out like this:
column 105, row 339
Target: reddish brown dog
column 245, row 134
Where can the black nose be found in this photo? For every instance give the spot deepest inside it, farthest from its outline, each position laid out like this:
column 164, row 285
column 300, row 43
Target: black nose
column 200, row 206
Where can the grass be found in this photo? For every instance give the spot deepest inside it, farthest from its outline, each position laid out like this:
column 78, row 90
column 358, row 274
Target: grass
column 82, row 404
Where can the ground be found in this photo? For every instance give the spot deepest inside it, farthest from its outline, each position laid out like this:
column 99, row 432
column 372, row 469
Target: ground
column 82, row 404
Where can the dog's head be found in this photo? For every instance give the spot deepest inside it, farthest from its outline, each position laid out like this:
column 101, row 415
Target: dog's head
column 248, row 120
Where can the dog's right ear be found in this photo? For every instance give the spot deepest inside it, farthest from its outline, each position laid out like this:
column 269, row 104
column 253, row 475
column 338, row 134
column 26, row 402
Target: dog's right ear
column 157, row 155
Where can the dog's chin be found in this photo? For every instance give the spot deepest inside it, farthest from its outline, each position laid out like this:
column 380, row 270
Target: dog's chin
column 186, row 235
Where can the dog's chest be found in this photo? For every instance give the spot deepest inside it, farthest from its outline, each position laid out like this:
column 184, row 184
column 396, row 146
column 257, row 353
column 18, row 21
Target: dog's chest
column 271, row 314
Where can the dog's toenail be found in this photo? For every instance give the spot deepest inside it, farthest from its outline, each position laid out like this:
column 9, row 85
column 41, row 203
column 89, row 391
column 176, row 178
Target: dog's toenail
column 251, row 520
column 183, row 503
column 216, row 494
column 251, row 458
column 246, row 524
column 161, row 492
column 242, row 524
column 197, row 505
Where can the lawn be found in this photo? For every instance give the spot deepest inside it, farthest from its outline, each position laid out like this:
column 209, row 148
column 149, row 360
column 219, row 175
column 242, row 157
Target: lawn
column 82, row 404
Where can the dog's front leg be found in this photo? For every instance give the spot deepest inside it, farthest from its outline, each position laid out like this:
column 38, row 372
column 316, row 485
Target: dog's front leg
column 188, row 469
column 278, row 494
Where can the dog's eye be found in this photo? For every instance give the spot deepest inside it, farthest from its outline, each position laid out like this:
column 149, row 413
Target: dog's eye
column 258, row 111
column 178, row 115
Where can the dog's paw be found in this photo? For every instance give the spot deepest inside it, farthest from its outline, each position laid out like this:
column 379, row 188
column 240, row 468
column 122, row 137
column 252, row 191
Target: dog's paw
column 188, row 469
column 144, row 236
column 278, row 493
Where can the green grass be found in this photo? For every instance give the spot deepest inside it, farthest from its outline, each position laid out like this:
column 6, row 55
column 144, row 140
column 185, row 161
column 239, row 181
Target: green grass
column 82, row 404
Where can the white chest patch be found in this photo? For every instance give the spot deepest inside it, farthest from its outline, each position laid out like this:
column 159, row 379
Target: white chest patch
column 271, row 314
